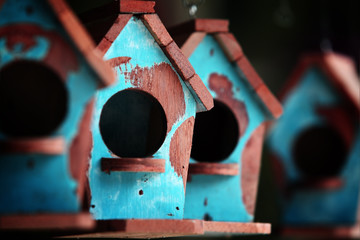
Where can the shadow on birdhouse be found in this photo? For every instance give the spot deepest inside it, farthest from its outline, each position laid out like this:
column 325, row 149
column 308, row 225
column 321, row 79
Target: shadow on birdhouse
column 227, row 142
column 48, row 76
column 142, row 126
column 315, row 147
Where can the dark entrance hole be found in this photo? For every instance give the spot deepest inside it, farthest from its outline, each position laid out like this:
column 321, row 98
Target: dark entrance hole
column 319, row 152
column 133, row 124
column 33, row 99
column 216, row 134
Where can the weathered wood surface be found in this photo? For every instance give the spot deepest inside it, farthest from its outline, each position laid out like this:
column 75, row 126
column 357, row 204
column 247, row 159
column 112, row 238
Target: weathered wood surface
column 237, row 227
column 227, row 169
column 132, row 165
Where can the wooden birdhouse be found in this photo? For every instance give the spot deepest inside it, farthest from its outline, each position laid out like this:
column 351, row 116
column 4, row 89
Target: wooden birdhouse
column 315, row 147
column 48, row 76
column 227, row 143
column 143, row 125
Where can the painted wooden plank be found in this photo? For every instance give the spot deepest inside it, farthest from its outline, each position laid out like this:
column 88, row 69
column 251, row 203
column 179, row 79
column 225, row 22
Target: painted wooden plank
column 132, row 165
column 137, row 6
column 228, row 169
column 51, row 146
column 236, row 227
column 157, row 29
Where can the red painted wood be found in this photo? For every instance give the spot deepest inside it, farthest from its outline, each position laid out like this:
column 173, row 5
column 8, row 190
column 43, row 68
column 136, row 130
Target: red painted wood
column 237, row 227
column 81, row 221
column 269, row 101
column 82, row 41
column 51, row 146
column 227, row 169
column 199, row 89
column 157, row 29
column 192, row 42
column 249, row 72
column 145, row 228
column 230, row 46
column 132, row 165
column 202, row 25
column 179, row 61
column 137, row 6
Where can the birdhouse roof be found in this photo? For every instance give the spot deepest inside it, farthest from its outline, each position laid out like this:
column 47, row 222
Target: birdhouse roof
column 82, row 41
column 191, row 33
column 144, row 10
column 339, row 69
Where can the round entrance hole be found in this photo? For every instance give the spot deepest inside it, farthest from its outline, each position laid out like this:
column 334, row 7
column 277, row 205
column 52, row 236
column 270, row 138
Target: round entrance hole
column 33, row 99
column 133, row 124
column 319, row 152
column 216, row 134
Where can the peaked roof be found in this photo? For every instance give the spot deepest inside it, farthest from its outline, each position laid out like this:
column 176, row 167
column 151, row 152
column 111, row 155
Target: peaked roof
column 339, row 69
column 145, row 11
column 81, row 39
column 192, row 33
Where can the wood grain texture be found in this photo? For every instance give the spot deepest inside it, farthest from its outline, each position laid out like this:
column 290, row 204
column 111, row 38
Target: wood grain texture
column 249, row 72
column 230, row 46
column 80, row 149
column 192, row 42
column 200, row 91
column 113, row 32
column 236, row 227
column 270, row 101
column 138, row 228
column 137, row 6
column 50, row 146
column 154, row 80
column 82, row 41
column 227, row 169
column 179, row 61
column 132, row 165
column 81, row 221
column 180, row 148
column 157, row 29
column 250, row 168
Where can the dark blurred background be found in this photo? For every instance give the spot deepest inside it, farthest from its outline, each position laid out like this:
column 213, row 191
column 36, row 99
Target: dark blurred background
column 273, row 34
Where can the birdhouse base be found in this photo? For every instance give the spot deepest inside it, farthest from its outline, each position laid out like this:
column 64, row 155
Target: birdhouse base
column 227, row 169
column 144, row 228
column 80, row 221
column 133, row 165
column 323, row 232
column 211, row 227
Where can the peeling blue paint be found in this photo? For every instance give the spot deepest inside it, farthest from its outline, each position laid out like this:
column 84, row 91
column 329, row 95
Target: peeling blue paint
column 322, row 206
column 223, row 193
column 116, row 196
column 46, row 186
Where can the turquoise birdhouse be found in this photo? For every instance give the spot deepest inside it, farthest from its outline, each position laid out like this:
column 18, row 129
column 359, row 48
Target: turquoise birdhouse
column 48, row 76
column 315, row 147
column 142, row 126
column 227, row 142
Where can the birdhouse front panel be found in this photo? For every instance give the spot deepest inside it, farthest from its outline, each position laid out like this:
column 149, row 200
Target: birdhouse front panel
column 46, row 86
column 148, row 114
column 222, row 135
column 316, row 149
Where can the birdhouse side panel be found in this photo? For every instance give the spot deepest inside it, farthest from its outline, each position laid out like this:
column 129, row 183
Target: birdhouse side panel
column 219, row 198
column 30, row 33
column 303, row 110
column 142, row 66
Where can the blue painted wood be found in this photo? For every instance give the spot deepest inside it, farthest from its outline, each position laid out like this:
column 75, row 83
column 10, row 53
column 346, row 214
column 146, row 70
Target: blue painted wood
column 116, row 195
column 46, row 186
column 322, row 206
column 222, row 194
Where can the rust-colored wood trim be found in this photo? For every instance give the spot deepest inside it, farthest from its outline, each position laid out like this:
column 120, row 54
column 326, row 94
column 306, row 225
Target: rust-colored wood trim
column 80, row 221
column 157, row 29
column 145, row 228
column 202, row 25
column 83, row 41
column 230, row 46
column 227, row 169
column 192, row 42
column 113, row 32
column 204, row 99
column 51, row 146
column 133, row 165
column 137, row 6
column 237, row 227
